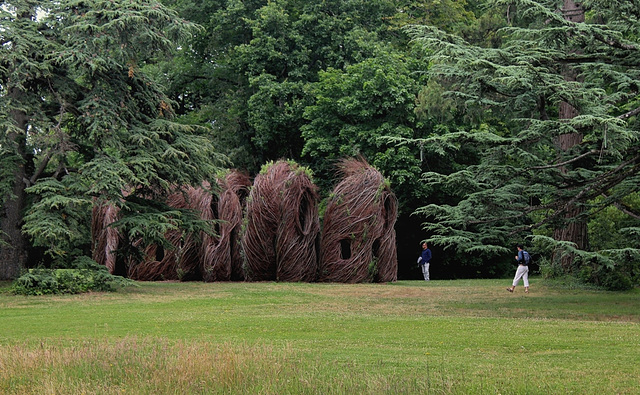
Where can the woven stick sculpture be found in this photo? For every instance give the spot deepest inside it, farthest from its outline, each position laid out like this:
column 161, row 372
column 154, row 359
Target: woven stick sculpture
column 105, row 238
column 384, row 248
column 279, row 240
column 183, row 261
column 237, row 186
column 159, row 264
column 358, row 240
column 222, row 260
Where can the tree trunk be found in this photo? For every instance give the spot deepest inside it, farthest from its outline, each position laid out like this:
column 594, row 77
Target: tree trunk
column 13, row 255
column 575, row 230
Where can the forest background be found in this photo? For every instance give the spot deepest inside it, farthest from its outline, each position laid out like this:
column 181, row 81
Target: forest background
column 496, row 122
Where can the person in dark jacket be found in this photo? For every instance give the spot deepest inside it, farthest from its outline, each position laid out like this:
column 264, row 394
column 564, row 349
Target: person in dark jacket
column 425, row 260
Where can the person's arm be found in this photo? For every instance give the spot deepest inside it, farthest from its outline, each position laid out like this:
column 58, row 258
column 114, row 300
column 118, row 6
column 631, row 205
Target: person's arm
column 428, row 255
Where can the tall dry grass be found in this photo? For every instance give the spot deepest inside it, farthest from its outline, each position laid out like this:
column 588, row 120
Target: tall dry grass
column 130, row 365
column 135, row 365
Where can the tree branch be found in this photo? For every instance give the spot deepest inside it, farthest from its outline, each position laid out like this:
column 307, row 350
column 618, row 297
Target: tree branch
column 615, row 44
column 624, row 208
column 600, row 184
column 36, row 174
column 629, row 114
column 564, row 163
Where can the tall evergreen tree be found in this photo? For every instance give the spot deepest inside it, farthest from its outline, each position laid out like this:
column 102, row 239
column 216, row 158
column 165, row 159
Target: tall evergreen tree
column 575, row 231
column 558, row 136
column 82, row 123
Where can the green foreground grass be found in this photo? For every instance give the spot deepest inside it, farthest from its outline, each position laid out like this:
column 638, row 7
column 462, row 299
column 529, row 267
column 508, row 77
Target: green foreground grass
column 411, row 337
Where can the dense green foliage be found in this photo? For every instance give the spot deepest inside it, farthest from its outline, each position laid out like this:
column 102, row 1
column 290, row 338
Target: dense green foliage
column 83, row 124
column 527, row 180
column 496, row 121
column 84, row 275
column 311, row 81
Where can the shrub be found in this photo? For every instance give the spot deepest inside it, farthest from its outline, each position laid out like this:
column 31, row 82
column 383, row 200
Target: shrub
column 616, row 280
column 612, row 277
column 551, row 270
column 84, row 276
column 611, row 274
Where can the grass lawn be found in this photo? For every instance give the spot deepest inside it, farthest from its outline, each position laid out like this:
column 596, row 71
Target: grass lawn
column 411, row 337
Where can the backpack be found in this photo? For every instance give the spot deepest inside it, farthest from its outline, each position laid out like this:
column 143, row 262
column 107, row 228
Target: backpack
column 527, row 257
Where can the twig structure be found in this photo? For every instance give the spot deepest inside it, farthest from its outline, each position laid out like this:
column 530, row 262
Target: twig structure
column 221, row 253
column 182, row 261
column 105, row 238
column 358, row 241
column 282, row 225
column 269, row 231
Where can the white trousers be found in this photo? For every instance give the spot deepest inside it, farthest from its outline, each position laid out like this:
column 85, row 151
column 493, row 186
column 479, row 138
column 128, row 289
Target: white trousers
column 425, row 271
column 522, row 273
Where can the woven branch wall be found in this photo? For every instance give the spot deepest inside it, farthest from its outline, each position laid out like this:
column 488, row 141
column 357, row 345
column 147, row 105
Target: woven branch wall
column 183, row 261
column 221, row 255
column 358, row 241
column 105, row 238
column 281, row 236
column 282, row 225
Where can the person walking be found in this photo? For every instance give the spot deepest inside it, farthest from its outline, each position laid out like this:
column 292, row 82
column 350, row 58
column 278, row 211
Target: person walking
column 424, row 260
column 523, row 258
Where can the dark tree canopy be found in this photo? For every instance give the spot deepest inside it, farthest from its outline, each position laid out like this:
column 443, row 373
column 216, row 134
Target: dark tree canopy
column 558, row 139
column 495, row 121
column 82, row 121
